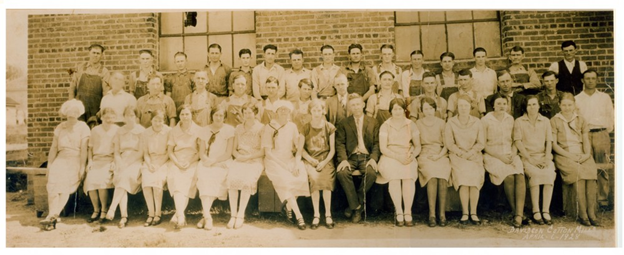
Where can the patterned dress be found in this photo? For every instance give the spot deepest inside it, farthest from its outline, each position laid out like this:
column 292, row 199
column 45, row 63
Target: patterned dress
column 317, row 145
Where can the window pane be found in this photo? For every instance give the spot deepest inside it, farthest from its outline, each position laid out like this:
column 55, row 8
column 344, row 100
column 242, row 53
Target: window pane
column 460, row 40
column 244, row 20
column 168, row 47
column 201, row 24
column 220, row 21
column 434, row 41
column 484, row 14
column 242, row 41
column 406, row 17
column 226, row 47
column 196, row 48
column 487, row 35
column 171, row 23
column 431, row 16
column 407, row 40
column 458, row 15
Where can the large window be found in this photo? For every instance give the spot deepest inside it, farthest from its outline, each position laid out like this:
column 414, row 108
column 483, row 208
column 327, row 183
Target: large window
column 233, row 30
column 435, row 32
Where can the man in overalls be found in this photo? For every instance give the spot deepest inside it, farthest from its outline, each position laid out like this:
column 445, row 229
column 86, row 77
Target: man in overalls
column 361, row 77
column 412, row 77
column 525, row 80
column 447, row 79
column 89, row 82
column 156, row 100
column 140, row 78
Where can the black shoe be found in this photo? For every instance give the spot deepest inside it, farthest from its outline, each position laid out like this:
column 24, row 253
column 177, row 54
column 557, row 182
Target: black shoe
column 156, row 221
column 94, row 217
column 148, row 222
column 348, row 212
column 475, row 220
column 536, row 220
column 462, row 221
column 315, row 223
column 357, row 215
column 594, row 223
column 432, row 222
column 329, row 222
column 585, row 222
column 548, row 219
column 517, row 221
column 442, row 221
column 301, row 224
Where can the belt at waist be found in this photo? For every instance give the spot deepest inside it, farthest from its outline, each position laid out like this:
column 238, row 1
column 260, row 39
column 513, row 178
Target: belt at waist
column 597, row 130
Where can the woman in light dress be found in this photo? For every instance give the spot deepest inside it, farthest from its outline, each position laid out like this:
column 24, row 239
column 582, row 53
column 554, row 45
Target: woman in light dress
column 101, row 164
column 128, row 161
column 399, row 143
column 533, row 138
column 182, row 165
column 465, row 139
column 66, row 160
column 283, row 148
column 573, row 158
column 154, row 170
column 319, row 150
column 434, row 167
column 247, row 165
column 215, row 151
column 501, row 158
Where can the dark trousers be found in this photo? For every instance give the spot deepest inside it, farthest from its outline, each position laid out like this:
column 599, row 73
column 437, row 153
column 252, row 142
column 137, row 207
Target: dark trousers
column 357, row 162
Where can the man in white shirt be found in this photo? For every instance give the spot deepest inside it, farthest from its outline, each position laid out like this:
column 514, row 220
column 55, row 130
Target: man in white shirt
column 265, row 70
column 387, row 55
column 597, row 109
column 290, row 88
column 483, row 77
column 117, row 98
column 569, row 70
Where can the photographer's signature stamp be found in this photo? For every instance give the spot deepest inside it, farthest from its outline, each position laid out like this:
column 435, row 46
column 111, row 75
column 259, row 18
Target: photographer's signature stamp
column 552, row 232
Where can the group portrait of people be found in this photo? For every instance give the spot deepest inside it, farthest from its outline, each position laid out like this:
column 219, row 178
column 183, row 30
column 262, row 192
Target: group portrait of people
column 212, row 133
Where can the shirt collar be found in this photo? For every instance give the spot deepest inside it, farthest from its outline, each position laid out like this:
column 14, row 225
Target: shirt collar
column 96, row 66
column 265, row 67
column 560, row 116
column 162, row 131
column 240, row 69
column 569, row 63
column 183, row 72
column 158, row 96
column 303, row 70
column 322, row 67
column 392, row 124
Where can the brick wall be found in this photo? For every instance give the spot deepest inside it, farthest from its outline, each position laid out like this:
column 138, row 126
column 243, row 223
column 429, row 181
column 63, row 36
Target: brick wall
column 57, row 43
column 309, row 30
column 541, row 33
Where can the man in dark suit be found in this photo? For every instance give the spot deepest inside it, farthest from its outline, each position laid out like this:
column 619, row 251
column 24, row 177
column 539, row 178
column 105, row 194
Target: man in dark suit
column 357, row 147
column 337, row 104
column 514, row 100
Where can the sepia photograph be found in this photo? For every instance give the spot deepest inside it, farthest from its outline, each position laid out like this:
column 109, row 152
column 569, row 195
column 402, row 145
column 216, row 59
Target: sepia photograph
column 294, row 128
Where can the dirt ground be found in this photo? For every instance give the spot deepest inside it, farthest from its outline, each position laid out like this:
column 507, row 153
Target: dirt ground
column 271, row 230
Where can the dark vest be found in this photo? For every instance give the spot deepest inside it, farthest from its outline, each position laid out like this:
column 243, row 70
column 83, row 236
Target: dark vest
column 570, row 82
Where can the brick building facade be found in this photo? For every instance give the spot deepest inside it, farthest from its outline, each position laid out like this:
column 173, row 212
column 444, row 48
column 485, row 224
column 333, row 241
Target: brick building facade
column 57, row 42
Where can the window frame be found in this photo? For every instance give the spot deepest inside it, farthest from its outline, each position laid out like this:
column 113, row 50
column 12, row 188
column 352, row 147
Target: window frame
column 446, row 22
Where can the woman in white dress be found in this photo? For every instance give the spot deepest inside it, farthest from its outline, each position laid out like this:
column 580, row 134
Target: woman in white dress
column 399, row 143
column 215, row 151
column 283, row 146
column 533, row 138
column 154, row 170
column 182, row 166
column 501, row 158
column 247, row 166
column 128, row 161
column 465, row 139
column 101, row 164
column 66, row 160
column 434, row 167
